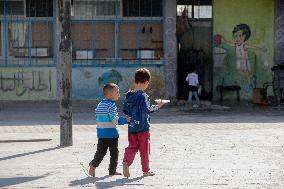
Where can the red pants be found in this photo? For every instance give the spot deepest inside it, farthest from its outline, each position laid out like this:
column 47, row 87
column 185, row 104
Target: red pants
column 139, row 141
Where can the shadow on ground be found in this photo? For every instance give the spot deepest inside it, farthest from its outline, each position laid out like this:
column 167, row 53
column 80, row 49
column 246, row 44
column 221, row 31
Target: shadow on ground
column 104, row 185
column 29, row 153
column 5, row 182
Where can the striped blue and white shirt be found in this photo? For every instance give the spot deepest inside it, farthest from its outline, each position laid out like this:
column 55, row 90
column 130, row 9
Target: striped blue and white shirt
column 107, row 119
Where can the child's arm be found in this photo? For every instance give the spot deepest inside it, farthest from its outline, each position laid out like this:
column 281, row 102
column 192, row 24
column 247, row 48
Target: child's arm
column 197, row 81
column 150, row 108
column 256, row 48
column 219, row 40
column 187, row 78
column 119, row 120
column 123, row 120
column 113, row 115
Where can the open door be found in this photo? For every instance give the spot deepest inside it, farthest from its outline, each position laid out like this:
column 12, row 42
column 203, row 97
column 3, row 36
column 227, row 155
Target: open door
column 194, row 36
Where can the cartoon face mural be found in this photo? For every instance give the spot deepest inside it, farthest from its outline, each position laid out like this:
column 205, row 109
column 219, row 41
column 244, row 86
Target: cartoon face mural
column 241, row 34
column 240, row 56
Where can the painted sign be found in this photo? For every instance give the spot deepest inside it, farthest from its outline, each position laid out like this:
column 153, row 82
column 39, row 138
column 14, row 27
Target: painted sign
column 27, row 84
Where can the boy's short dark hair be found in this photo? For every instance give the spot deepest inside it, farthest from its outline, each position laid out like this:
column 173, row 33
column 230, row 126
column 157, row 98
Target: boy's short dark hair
column 142, row 75
column 109, row 87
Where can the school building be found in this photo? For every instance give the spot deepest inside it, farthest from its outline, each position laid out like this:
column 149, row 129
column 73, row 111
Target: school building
column 230, row 43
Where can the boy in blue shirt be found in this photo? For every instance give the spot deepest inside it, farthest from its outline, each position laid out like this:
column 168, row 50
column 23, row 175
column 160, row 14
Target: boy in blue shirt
column 137, row 106
column 107, row 119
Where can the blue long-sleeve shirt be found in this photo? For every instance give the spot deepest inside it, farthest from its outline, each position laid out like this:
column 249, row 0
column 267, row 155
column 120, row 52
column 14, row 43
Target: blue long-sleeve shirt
column 137, row 106
column 107, row 119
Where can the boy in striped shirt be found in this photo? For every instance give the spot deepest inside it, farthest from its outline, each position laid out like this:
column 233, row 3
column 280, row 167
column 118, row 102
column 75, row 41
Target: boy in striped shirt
column 107, row 119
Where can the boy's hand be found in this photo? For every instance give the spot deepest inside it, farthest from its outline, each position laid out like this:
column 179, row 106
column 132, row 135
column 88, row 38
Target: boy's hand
column 161, row 102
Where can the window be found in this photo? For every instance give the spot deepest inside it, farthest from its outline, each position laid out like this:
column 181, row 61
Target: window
column 41, row 39
column 88, row 8
column 12, row 7
column 92, row 41
column 42, row 8
column 181, row 8
column 195, row 11
column 17, row 39
column 141, row 41
column 25, row 41
column 142, row 8
column 204, row 11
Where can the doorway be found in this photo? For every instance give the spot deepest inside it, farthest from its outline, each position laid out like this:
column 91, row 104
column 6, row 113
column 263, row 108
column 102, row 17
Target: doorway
column 194, row 40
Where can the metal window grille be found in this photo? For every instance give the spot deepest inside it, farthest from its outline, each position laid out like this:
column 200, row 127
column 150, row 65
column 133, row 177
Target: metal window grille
column 103, row 32
column 27, row 33
column 117, row 34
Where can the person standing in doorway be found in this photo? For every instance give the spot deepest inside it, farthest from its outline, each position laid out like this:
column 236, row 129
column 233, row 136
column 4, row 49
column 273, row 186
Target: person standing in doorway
column 192, row 79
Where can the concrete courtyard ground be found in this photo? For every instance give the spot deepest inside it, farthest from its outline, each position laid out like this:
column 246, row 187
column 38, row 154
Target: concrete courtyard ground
column 239, row 148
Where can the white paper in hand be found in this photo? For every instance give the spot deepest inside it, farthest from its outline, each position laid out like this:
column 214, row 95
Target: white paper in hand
column 163, row 101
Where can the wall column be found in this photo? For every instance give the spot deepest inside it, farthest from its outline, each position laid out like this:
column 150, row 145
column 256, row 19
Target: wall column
column 279, row 32
column 170, row 48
